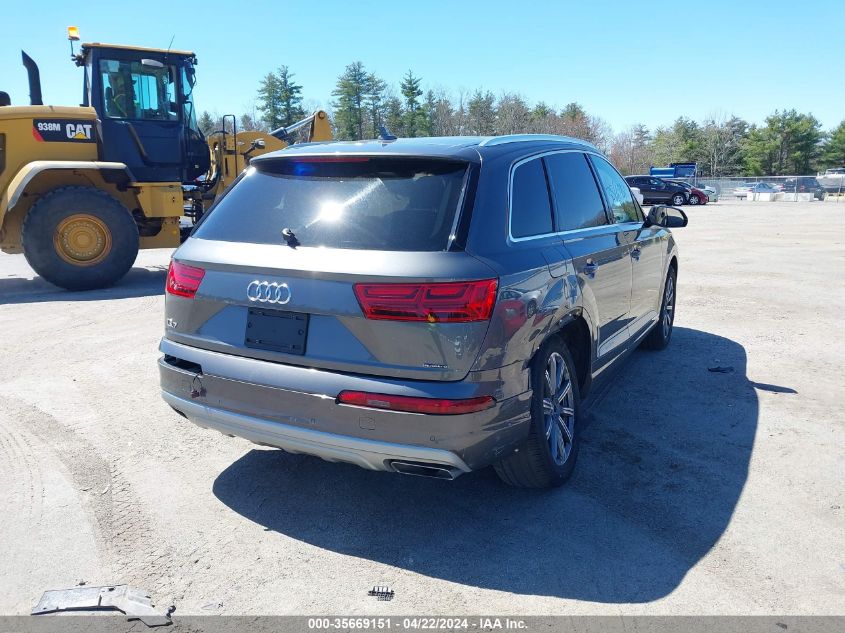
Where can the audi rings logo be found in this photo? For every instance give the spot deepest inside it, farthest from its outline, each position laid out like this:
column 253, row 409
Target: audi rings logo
column 266, row 292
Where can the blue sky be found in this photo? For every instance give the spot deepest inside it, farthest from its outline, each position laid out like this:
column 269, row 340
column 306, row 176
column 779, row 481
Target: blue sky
column 627, row 62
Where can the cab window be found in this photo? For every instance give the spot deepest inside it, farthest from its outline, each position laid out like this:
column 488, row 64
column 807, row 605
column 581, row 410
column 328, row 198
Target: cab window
column 188, row 111
column 616, row 193
column 132, row 90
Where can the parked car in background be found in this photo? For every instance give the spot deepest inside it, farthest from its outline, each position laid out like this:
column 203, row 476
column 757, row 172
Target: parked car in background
column 804, row 184
column 742, row 191
column 712, row 192
column 833, row 180
column 638, row 195
column 659, row 191
column 424, row 306
column 695, row 195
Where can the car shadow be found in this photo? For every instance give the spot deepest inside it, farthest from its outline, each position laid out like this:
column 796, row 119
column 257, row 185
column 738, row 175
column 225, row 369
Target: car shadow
column 661, row 469
column 138, row 282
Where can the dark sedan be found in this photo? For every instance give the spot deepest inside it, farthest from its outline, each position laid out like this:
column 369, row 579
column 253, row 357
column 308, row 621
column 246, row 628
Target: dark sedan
column 659, row 191
column 804, row 184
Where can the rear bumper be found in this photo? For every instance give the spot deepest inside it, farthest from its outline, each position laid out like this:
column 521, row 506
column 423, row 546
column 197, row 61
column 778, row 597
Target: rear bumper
column 295, row 408
column 371, row 454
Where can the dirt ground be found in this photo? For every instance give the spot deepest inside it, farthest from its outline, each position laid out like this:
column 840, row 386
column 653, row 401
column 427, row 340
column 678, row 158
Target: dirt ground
column 696, row 492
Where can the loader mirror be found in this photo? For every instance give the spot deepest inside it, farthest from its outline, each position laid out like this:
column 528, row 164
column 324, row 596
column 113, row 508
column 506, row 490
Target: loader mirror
column 151, row 63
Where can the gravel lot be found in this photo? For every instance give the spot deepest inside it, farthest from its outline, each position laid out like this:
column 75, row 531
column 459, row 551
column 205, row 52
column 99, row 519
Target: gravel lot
column 696, row 492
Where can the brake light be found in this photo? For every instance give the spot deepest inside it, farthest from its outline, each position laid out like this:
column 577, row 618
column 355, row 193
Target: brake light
column 410, row 404
column 449, row 302
column 183, row 280
column 331, row 159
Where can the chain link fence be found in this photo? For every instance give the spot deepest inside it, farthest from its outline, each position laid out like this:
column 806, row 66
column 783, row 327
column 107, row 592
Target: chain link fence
column 830, row 188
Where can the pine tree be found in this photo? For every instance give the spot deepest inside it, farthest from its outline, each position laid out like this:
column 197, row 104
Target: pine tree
column 481, row 112
column 375, row 102
column 833, row 151
column 290, row 96
column 787, row 145
column 280, row 99
column 428, row 115
column 350, row 94
column 393, row 119
column 411, row 91
column 268, row 101
column 206, row 123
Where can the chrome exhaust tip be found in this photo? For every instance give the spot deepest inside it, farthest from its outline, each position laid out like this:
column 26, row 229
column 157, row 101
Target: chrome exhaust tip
column 432, row 471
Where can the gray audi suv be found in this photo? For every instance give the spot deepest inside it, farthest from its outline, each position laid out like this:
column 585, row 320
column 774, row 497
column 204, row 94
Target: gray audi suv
column 424, row 306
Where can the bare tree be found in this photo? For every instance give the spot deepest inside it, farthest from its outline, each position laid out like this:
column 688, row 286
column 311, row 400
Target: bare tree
column 512, row 114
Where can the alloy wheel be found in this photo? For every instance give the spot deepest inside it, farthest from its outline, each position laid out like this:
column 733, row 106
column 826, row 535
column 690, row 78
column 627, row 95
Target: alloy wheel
column 668, row 306
column 558, row 409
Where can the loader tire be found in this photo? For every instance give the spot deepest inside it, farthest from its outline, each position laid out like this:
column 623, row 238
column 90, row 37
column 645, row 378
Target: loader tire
column 79, row 238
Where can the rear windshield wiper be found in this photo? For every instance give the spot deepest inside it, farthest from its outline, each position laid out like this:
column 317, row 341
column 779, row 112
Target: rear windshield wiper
column 290, row 237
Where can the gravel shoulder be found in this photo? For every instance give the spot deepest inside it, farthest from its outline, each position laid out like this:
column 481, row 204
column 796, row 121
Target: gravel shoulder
column 696, row 492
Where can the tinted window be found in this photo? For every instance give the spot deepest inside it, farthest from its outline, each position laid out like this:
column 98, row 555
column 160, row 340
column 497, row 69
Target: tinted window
column 132, row 90
column 617, row 193
column 531, row 212
column 578, row 203
column 370, row 204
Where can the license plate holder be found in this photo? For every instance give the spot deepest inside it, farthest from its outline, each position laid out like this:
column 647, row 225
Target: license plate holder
column 276, row 330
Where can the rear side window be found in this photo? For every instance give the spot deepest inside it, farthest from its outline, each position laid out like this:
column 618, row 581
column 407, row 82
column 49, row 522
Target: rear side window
column 578, row 204
column 531, row 211
column 355, row 203
column 616, row 192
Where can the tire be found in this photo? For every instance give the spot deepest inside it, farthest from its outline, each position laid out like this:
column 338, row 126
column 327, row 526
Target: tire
column 678, row 199
column 539, row 462
column 661, row 333
column 693, row 199
column 79, row 238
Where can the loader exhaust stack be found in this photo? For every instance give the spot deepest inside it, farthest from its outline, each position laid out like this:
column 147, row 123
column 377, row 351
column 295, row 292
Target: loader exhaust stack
column 34, row 79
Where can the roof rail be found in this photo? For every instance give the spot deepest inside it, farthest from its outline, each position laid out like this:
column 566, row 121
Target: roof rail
column 520, row 138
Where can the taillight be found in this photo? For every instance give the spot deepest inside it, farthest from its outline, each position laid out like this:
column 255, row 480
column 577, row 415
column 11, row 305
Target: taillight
column 183, row 280
column 410, row 404
column 448, row 302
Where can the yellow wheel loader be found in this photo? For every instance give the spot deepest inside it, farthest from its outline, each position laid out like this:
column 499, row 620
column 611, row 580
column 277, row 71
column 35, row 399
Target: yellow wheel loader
column 83, row 188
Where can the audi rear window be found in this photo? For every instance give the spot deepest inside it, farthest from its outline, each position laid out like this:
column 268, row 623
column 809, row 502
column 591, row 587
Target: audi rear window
column 349, row 202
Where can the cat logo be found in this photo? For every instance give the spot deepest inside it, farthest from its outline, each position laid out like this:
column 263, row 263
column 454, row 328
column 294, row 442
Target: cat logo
column 78, row 131
column 64, row 130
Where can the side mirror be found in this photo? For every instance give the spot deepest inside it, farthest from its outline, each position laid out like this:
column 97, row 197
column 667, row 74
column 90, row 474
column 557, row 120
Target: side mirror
column 667, row 217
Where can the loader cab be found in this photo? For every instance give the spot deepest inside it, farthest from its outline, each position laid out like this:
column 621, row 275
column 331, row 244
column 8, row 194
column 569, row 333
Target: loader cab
column 144, row 100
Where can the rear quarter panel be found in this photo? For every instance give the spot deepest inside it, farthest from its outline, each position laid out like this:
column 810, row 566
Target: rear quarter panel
column 538, row 286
